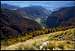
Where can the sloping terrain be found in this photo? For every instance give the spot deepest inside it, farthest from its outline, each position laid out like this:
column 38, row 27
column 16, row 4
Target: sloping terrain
column 10, row 7
column 63, row 17
column 33, row 12
column 61, row 40
column 12, row 24
column 36, row 13
column 20, row 29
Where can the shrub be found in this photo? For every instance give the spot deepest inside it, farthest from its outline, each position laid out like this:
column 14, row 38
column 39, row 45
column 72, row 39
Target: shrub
column 51, row 37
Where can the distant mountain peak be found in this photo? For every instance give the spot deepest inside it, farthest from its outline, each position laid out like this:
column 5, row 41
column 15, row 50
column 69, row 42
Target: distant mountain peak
column 8, row 6
column 34, row 11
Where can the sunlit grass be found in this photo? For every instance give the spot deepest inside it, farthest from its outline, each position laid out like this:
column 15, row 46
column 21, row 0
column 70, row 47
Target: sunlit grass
column 61, row 40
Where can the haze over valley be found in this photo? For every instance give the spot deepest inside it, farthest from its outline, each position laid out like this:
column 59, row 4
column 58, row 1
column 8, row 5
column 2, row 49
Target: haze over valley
column 33, row 23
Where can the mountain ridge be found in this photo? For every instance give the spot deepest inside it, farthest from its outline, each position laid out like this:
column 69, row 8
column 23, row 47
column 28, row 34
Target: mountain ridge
column 13, row 24
column 62, row 17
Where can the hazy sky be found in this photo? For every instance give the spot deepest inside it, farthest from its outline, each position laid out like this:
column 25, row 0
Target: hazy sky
column 47, row 4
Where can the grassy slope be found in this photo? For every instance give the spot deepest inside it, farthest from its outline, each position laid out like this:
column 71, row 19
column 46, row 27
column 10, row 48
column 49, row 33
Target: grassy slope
column 55, row 41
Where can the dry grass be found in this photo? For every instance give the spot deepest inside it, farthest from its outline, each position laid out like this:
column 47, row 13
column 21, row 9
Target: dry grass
column 54, row 41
